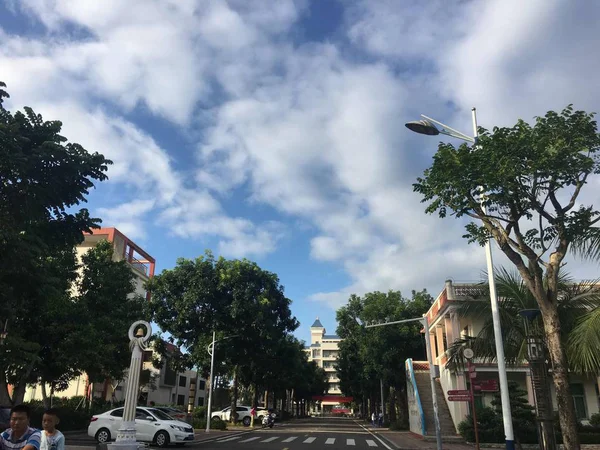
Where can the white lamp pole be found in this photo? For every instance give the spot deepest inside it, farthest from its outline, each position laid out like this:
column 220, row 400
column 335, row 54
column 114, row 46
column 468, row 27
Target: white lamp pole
column 211, row 351
column 428, row 126
column 436, row 417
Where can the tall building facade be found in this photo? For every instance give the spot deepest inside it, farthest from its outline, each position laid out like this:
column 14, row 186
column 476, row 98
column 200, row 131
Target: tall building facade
column 324, row 350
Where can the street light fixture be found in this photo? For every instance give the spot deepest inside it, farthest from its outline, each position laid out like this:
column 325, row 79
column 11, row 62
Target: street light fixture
column 425, row 323
column 425, row 128
column 211, row 352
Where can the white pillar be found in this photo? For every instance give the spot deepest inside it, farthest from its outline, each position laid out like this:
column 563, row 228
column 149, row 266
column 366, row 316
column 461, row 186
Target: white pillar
column 126, row 439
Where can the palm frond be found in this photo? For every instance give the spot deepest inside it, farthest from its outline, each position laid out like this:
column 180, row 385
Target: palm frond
column 583, row 343
column 587, row 246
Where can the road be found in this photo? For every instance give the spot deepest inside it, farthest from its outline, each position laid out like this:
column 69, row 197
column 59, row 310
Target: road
column 306, row 434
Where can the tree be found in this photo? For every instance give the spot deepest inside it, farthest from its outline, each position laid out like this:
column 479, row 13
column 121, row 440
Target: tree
column 235, row 298
column 43, row 180
column 367, row 356
column 531, row 178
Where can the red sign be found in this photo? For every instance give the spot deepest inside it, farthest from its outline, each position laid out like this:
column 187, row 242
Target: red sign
column 489, row 386
column 473, row 374
column 472, row 368
column 459, row 398
column 458, row 392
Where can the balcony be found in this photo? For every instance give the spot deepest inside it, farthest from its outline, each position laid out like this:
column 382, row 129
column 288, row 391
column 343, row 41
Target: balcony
column 140, row 266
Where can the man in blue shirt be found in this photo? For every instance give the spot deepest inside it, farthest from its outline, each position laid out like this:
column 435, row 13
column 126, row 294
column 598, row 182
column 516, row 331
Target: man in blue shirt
column 20, row 436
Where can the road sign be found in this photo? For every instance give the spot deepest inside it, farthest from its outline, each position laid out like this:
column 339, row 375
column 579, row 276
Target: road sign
column 458, row 392
column 459, row 398
column 473, row 374
column 471, row 368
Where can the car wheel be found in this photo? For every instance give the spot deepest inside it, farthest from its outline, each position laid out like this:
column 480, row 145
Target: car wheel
column 246, row 421
column 162, row 439
column 103, row 436
column 216, row 418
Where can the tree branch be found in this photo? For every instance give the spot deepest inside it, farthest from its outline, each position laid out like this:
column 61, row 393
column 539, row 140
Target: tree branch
column 578, row 187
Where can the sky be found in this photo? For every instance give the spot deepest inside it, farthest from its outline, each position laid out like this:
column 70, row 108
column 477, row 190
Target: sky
column 273, row 130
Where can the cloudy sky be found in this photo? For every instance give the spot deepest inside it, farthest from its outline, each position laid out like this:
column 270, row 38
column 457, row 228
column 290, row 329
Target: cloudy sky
column 274, row 129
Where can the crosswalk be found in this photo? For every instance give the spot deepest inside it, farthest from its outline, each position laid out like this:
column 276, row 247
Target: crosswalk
column 351, row 442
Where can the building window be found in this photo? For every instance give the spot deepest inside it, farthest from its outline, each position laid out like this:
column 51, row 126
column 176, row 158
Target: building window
column 202, row 384
column 180, row 399
column 182, row 381
column 170, row 375
column 200, row 401
column 578, row 393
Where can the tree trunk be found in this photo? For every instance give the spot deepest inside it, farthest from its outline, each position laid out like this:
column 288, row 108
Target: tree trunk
column 4, row 395
column 45, row 398
column 560, row 377
column 254, row 402
column 266, row 398
column 392, row 399
column 234, row 394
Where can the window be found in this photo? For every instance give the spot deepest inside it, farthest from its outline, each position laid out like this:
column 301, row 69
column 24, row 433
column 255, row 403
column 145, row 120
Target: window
column 182, row 381
column 200, row 401
column 578, row 393
column 140, row 414
column 117, row 413
column 180, row 400
column 202, row 384
column 170, row 375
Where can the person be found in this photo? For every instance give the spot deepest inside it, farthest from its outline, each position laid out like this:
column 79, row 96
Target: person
column 20, row 436
column 380, row 419
column 252, row 415
column 374, row 419
column 52, row 439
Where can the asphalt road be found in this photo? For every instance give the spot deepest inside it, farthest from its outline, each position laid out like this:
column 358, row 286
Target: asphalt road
column 309, row 434
column 306, row 434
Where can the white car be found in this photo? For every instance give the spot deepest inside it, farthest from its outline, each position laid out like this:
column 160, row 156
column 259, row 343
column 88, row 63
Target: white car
column 243, row 413
column 151, row 425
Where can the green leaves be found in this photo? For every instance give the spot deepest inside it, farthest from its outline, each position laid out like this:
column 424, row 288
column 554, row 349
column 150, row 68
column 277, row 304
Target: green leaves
column 525, row 172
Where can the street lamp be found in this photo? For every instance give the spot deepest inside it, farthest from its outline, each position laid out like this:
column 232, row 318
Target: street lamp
column 211, row 352
column 436, row 418
column 428, row 127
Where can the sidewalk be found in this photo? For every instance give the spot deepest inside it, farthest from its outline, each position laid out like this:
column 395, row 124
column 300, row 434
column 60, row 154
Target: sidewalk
column 406, row 440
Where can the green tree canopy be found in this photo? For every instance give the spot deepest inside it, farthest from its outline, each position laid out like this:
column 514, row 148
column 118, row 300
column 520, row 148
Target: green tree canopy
column 531, row 178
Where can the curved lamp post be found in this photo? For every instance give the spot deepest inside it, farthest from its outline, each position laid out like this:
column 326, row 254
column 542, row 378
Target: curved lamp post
column 428, row 127
column 211, row 352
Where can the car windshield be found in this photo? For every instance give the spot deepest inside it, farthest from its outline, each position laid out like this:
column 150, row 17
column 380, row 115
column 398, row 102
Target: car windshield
column 160, row 414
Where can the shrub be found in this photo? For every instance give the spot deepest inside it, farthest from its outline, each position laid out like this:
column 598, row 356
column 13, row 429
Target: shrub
column 199, row 412
column 214, row 424
column 398, row 425
column 595, row 420
column 489, row 425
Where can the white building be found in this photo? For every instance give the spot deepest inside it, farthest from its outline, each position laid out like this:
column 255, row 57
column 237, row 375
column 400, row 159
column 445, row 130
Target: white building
column 324, row 350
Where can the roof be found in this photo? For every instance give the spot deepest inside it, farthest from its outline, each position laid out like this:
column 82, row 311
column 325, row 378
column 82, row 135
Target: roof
column 318, row 344
column 317, row 324
column 331, row 336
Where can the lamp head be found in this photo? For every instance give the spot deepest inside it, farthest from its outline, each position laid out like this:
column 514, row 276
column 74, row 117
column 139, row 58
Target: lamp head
column 423, row 127
column 529, row 314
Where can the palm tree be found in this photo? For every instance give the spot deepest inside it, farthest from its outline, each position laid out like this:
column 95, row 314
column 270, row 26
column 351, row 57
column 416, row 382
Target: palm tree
column 578, row 307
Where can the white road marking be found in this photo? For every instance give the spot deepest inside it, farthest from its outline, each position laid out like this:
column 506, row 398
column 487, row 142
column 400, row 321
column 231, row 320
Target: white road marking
column 290, row 439
column 229, row 439
column 251, row 439
column 271, row 439
column 371, row 443
column 330, row 440
column 350, row 442
column 309, row 440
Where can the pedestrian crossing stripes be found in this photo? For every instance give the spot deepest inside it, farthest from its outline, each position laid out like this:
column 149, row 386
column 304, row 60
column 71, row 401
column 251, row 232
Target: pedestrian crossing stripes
column 305, row 440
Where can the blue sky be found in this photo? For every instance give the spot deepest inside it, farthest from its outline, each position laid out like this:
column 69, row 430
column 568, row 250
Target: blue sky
column 274, row 130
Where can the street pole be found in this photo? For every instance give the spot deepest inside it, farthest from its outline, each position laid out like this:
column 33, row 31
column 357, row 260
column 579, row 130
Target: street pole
column 504, row 394
column 473, row 409
column 438, row 431
column 210, row 392
column 423, row 320
column 382, row 403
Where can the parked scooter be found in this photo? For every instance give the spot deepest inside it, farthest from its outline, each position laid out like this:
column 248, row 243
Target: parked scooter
column 268, row 420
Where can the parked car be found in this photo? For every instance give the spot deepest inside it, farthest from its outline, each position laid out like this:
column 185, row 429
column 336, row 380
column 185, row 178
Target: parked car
column 151, row 425
column 173, row 412
column 243, row 413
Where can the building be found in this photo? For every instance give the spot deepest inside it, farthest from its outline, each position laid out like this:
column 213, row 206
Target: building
column 445, row 327
column 324, row 350
column 163, row 386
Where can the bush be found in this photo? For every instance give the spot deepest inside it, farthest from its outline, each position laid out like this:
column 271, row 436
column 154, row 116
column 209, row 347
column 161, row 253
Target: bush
column 398, row 425
column 199, row 412
column 200, row 424
column 489, row 425
column 595, row 420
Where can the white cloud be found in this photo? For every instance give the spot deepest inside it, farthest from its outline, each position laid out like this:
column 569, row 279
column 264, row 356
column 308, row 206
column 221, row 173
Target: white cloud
column 313, row 130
